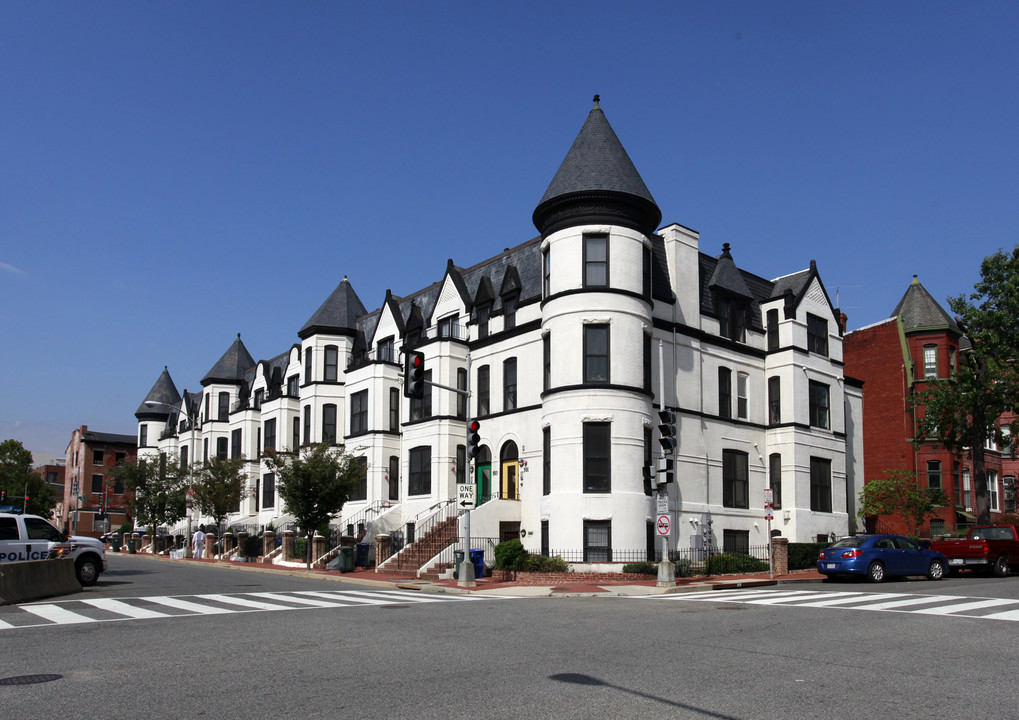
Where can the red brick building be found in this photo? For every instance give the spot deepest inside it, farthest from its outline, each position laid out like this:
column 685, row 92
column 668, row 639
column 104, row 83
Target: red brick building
column 88, row 487
column 895, row 359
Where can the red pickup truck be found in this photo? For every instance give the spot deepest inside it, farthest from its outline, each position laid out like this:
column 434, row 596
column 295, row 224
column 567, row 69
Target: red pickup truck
column 990, row 547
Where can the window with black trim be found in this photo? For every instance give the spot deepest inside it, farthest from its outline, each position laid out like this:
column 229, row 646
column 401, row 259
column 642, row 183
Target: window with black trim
column 509, row 384
column 731, row 318
column 224, row 407
column 420, row 478
column 97, row 457
column 546, row 274
column 293, row 386
column 484, row 312
column 394, row 477
column 736, row 541
column 461, row 400
column 735, row 479
column 307, row 424
column 143, row 435
column 222, row 448
column 596, row 260
column 817, row 335
column 331, row 363
column 295, row 438
column 775, row 479
column 384, row 350
column 647, row 363
column 724, row 392
column 772, row 330
column 597, row 541
column 329, row 424
column 820, row 484
column 269, row 490
column 934, row 474
column 448, row 326
column 819, row 405
column 484, row 390
column 546, row 460
column 742, row 402
column 97, row 484
column 394, row 409
column 360, row 489
column 509, row 312
column 259, row 396
column 596, row 354
column 269, row 430
column 597, row 457
column 359, row 412
column 546, row 352
column 307, row 366
column 774, row 400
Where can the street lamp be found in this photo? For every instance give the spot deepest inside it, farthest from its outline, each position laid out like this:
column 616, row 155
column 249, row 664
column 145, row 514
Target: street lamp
column 191, row 464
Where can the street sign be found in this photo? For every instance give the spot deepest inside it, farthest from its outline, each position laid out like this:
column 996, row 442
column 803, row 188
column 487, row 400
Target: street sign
column 662, row 504
column 768, row 514
column 769, row 496
column 466, row 496
column 662, row 525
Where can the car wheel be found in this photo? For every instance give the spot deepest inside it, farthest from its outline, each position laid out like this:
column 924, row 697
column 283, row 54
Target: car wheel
column 936, row 571
column 876, row 572
column 1001, row 566
column 87, row 570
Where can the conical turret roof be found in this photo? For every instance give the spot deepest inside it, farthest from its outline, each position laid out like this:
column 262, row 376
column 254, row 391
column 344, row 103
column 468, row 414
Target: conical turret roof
column 919, row 310
column 163, row 393
column 597, row 183
column 231, row 367
column 338, row 315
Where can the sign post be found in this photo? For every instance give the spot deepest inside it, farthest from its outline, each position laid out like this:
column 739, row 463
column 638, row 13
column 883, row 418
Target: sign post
column 769, row 515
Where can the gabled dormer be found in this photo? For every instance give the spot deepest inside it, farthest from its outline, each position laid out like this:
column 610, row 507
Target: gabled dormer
column 450, row 311
column 729, row 298
column 414, row 326
column 481, row 310
column 384, row 342
column 801, row 298
column 509, row 296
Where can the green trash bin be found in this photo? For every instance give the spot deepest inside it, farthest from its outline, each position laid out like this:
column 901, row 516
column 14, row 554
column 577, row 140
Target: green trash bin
column 458, row 558
column 346, row 559
column 130, row 546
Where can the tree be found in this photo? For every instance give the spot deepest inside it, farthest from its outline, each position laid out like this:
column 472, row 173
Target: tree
column 219, row 486
column 18, row 481
column 314, row 484
column 898, row 493
column 961, row 413
column 158, row 488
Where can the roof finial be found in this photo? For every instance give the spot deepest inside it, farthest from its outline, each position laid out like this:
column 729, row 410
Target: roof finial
column 596, row 99
column 238, row 336
column 915, row 281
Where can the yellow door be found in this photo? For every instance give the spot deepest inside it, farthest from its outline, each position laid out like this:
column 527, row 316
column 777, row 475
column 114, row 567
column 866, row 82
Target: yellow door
column 510, row 484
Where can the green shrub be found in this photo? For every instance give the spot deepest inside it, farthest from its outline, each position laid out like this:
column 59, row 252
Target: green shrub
column 684, row 567
column 728, row 563
column 641, row 568
column 803, row 556
column 300, row 547
column 508, row 554
column 541, row 563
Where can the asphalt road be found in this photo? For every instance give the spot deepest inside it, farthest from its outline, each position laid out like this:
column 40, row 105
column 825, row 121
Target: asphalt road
column 369, row 653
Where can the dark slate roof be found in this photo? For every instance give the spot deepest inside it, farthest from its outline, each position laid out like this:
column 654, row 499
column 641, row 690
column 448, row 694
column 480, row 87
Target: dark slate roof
column 597, row 182
column 338, row 315
column 163, row 392
column 230, row 368
column 919, row 310
column 108, row 438
column 731, row 279
column 795, row 283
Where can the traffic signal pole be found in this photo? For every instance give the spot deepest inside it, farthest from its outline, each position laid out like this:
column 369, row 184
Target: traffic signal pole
column 666, row 570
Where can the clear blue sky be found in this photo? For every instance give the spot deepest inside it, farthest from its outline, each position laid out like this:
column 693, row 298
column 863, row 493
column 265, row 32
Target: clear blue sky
column 173, row 173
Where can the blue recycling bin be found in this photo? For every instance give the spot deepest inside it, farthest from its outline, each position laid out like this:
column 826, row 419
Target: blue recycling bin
column 362, row 555
column 478, row 560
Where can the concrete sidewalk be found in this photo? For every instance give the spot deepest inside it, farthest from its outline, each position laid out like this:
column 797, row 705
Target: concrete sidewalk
column 520, row 587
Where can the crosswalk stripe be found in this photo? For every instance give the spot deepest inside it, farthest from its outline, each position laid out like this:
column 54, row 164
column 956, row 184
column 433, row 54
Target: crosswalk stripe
column 1007, row 615
column 798, row 599
column 347, row 597
column 122, row 608
column 963, row 607
column 243, row 602
column 778, row 598
column 895, row 604
column 5, row 625
column 851, row 597
column 299, row 600
column 190, row 607
column 56, row 614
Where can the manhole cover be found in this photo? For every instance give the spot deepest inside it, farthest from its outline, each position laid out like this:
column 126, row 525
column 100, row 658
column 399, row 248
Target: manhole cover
column 28, row 679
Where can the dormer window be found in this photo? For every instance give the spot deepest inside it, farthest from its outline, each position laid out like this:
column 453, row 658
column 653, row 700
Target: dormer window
column 817, row 335
column 259, row 396
column 483, row 314
column 509, row 310
column 384, row 350
column 731, row 318
column 449, row 326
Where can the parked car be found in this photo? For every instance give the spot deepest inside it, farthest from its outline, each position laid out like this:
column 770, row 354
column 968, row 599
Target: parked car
column 991, row 548
column 878, row 557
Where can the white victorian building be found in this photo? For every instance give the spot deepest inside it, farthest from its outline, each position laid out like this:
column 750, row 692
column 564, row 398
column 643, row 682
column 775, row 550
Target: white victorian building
column 567, row 336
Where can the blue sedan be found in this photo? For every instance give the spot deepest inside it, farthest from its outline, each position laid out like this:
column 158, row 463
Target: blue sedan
column 880, row 556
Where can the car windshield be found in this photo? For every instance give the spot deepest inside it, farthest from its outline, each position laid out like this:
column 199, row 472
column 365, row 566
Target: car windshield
column 852, row 542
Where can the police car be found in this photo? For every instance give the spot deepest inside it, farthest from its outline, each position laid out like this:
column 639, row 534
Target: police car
column 30, row 537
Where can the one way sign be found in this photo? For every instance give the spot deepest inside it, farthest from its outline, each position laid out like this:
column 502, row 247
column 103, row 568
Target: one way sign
column 466, row 496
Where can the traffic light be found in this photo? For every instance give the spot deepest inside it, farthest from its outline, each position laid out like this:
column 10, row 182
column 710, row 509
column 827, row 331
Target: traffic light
column 3, row 497
column 667, row 431
column 414, row 374
column 473, row 439
column 665, row 474
column 649, row 480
